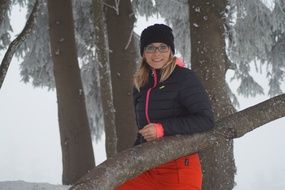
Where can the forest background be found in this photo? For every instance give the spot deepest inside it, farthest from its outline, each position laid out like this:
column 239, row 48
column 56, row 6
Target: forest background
column 34, row 152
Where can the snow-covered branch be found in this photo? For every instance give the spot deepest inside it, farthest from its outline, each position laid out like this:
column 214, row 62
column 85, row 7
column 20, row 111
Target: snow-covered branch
column 134, row 161
column 18, row 41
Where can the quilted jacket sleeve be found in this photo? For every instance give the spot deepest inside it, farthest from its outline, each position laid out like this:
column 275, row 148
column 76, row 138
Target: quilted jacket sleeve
column 198, row 116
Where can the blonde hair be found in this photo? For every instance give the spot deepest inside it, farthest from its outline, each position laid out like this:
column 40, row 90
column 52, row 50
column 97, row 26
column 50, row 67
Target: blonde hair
column 142, row 74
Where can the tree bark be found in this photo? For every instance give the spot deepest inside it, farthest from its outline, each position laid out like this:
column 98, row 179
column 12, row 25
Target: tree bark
column 17, row 42
column 132, row 162
column 4, row 6
column 122, row 53
column 209, row 61
column 105, row 78
column 77, row 151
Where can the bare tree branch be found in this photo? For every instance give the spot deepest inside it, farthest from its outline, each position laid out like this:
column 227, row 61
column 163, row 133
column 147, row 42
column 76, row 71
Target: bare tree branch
column 115, row 7
column 28, row 29
column 134, row 161
column 251, row 118
column 129, row 40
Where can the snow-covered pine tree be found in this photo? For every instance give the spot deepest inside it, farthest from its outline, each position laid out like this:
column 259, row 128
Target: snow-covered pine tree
column 37, row 67
column 254, row 32
column 257, row 36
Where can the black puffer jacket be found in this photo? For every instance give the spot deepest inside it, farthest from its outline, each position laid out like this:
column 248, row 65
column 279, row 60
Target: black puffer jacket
column 180, row 104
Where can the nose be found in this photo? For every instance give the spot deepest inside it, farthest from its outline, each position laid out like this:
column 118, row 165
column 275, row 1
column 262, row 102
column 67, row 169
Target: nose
column 156, row 51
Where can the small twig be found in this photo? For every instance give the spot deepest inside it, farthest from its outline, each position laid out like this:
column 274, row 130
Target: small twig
column 281, row 9
column 116, row 7
column 130, row 39
column 117, row 2
column 110, row 6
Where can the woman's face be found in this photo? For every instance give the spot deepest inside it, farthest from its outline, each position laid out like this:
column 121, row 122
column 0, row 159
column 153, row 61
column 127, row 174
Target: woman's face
column 157, row 55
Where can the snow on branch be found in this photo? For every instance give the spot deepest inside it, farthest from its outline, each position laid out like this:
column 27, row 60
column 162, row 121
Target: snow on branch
column 17, row 42
column 133, row 161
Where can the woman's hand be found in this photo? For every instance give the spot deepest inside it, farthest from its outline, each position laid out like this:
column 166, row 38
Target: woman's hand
column 148, row 132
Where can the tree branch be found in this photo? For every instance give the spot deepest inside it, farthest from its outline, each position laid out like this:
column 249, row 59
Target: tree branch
column 133, row 161
column 251, row 118
column 17, row 42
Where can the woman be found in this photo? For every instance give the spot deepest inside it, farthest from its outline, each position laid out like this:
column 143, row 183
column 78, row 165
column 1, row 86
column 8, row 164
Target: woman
column 168, row 100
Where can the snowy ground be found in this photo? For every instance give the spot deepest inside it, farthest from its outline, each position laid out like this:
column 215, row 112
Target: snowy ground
column 21, row 185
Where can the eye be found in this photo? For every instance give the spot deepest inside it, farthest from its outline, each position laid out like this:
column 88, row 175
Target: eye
column 150, row 48
column 163, row 47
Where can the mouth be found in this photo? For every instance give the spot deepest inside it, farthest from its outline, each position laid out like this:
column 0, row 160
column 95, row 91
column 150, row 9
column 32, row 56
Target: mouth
column 157, row 60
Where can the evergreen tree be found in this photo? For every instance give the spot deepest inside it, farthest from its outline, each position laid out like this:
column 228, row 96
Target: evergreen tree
column 223, row 35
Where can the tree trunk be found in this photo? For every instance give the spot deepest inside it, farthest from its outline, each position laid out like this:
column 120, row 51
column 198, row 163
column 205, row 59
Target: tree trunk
column 209, row 61
column 77, row 151
column 122, row 53
column 105, row 78
column 131, row 162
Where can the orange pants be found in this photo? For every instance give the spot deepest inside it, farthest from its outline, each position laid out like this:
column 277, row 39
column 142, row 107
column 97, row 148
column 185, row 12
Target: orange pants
column 181, row 174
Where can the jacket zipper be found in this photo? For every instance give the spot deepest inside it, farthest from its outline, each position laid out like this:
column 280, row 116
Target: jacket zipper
column 147, row 101
column 148, row 96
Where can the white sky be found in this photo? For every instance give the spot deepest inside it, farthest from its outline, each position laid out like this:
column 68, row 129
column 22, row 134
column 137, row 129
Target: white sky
column 30, row 145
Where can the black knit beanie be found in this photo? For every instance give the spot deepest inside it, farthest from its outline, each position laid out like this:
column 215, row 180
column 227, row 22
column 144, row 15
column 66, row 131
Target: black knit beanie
column 157, row 33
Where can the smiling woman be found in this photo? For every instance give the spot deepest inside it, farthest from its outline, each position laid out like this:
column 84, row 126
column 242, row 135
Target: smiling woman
column 157, row 55
column 29, row 136
column 168, row 100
